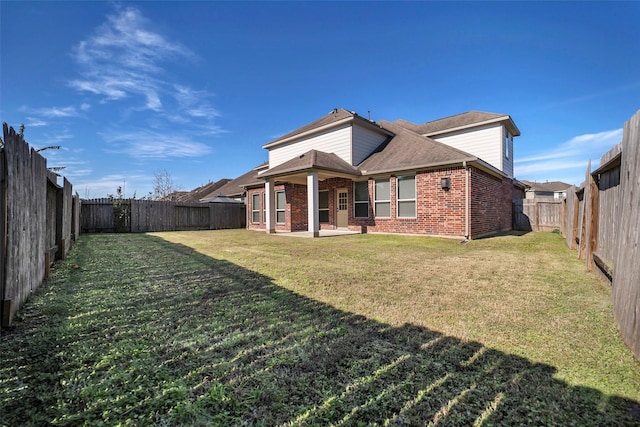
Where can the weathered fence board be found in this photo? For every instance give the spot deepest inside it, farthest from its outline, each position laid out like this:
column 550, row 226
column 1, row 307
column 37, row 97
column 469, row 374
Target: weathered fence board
column 27, row 174
column 626, row 274
column 192, row 217
column 227, row 215
column 603, row 224
column 152, row 216
column 149, row 215
column 35, row 223
column 608, row 206
column 538, row 214
column 96, row 215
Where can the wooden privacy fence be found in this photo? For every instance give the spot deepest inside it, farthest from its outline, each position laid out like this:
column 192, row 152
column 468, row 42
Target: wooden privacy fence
column 39, row 219
column 139, row 216
column 603, row 225
column 538, row 214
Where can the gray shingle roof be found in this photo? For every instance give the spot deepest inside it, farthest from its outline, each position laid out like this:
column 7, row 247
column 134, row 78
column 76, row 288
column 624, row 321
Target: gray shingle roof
column 458, row 121
column 313, row 159
column 409, row 150
column 196, row 194
column 547, row 186
column 336, row 115
column 235, row 187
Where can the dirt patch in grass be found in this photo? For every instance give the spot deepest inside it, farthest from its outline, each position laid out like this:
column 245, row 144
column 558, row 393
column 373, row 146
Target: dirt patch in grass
column 236, row 328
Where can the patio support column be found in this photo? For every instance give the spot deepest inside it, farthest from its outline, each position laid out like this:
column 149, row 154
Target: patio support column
column 270, row 206
column 313, row 216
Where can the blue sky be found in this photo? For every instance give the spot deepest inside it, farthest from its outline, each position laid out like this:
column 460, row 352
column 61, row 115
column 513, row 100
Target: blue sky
column 128, row 89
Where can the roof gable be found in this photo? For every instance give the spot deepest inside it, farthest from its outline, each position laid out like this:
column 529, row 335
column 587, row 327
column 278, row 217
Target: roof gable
column 312, row 159
column 409, row 150
column 337, row 117
column 459, row 122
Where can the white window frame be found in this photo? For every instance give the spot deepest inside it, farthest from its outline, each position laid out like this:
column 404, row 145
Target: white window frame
column 507, row 143
column 357, row 202
column 413, row 199
column 377, row 201
column 255, row 207
column 282, row 208
column 264, row 207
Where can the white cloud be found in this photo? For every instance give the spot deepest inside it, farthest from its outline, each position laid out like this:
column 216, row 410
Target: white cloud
column 108, row 184
column 35, row 122
column 549, row 166
column 51, row 112
column 145, row 144
column 580, row 145
column 124, row 58
column 568, row 162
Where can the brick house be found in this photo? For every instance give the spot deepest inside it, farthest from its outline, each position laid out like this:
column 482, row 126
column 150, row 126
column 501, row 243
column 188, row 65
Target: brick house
column 449, row 177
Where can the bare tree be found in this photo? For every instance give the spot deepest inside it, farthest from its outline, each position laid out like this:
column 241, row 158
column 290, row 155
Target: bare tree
column 163, row 185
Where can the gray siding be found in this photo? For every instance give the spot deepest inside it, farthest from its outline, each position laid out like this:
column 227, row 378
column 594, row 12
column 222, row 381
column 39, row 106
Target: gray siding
column 508, row 161
column 364, row 142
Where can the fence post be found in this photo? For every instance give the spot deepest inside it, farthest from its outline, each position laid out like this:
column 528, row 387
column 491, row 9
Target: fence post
column 3, row 227
column 585, row 230
column 592, row 240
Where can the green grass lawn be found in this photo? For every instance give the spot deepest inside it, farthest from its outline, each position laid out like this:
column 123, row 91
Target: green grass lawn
column 241, row 328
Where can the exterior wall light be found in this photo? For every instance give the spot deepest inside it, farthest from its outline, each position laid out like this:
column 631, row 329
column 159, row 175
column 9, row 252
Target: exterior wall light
column 445, row 183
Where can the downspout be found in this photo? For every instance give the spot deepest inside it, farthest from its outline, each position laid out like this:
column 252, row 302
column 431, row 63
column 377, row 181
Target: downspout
column 466, row 199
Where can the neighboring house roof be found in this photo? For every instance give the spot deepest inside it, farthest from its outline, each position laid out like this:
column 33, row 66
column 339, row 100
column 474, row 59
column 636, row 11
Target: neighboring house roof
column 235, row 187
column 196, row 194
column 313, row 159
column 549, row 186
column 459, row 122
column 409, row 150
column 219, row 199
column 336, row 117
column 176, row 196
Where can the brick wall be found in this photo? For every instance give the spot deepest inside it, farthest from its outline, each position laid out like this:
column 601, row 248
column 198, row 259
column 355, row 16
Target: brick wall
column 296, row 196
column 261, row 225
column 491, row 203
column 438, row 211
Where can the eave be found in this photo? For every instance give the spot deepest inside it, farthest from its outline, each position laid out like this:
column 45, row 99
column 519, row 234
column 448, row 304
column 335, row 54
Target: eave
column 510, row 125
column 361, row 122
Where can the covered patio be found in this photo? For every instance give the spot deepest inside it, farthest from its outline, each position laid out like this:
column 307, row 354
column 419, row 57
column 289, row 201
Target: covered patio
column 309, row 170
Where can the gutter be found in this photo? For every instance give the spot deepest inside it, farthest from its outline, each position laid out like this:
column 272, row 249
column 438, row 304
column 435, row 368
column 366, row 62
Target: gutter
column 428, row 166
column 467, row 201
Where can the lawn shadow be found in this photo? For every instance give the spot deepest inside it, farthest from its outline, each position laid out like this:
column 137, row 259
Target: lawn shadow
column 165, row 335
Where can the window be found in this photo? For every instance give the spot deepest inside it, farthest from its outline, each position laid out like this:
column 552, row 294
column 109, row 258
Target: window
column 255, row 207
column 323, row 206
column 406, row 196
column 508, row 139
column 280, row 205
column 264, row 207
column 361, row 199
column 383, row 198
